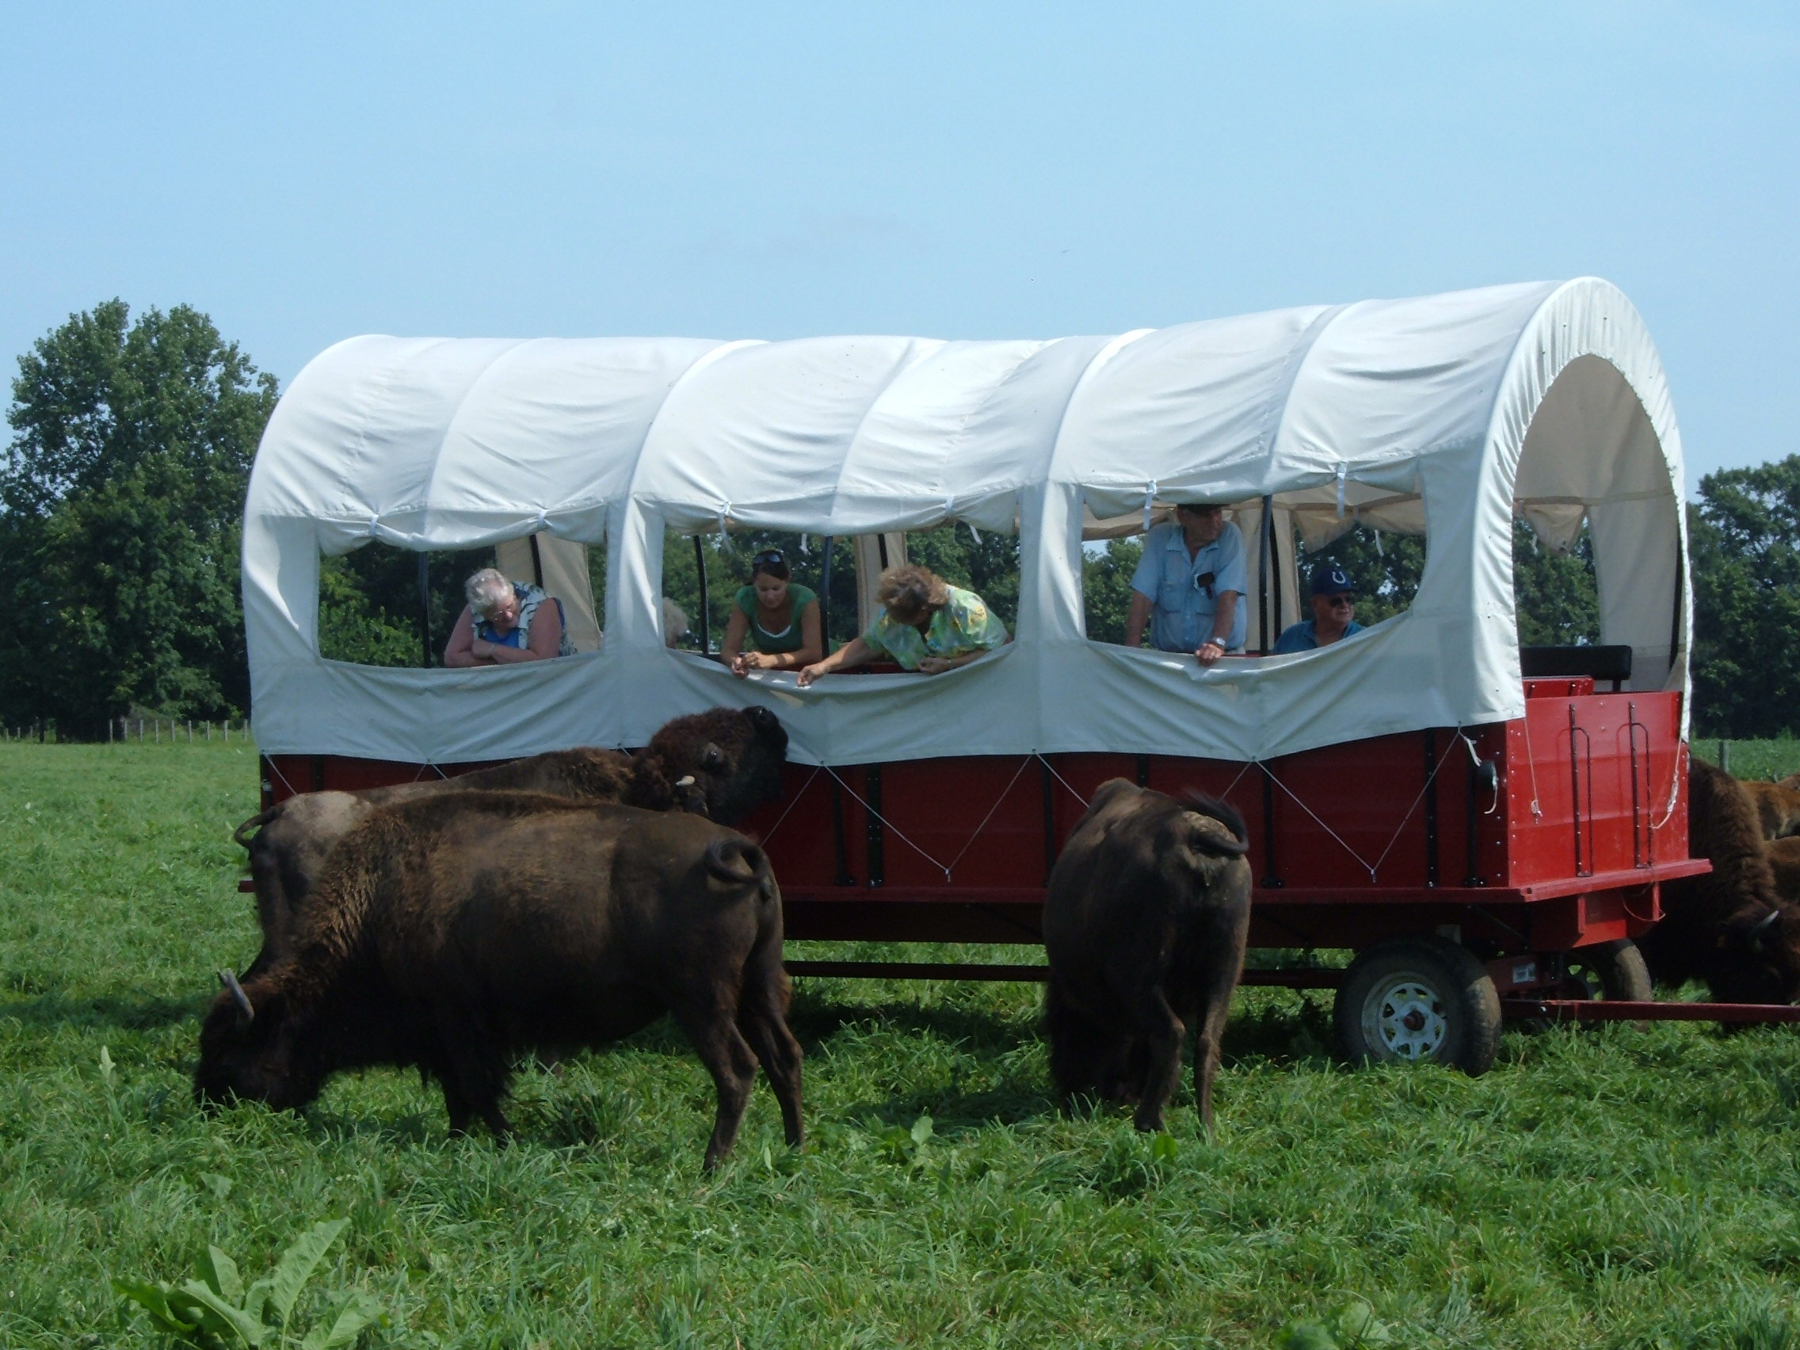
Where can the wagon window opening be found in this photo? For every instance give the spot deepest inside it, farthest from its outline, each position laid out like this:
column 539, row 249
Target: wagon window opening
column 1555, row 593
column 702, row 575
column 1112, row 553
column 1383, row 567
column 393, row 607
column 983, row 561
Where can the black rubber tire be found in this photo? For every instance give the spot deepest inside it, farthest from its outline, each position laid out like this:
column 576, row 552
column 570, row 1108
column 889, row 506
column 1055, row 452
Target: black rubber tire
column 1614, row 971
column 1422, row 999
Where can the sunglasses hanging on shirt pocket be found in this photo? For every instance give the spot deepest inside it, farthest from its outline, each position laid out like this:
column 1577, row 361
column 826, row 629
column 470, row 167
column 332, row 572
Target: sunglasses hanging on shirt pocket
column 1203, row 581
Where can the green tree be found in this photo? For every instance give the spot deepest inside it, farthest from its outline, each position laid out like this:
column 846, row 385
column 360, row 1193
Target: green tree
column 1554, row 594
column 1106, row 587
column 1744, row 538
column 121, row 501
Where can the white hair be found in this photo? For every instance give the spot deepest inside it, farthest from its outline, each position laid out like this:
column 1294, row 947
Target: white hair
column 675, row 623
column 485, row 589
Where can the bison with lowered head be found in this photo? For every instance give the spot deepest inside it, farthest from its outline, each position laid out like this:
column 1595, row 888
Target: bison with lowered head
column 456, row 932
column 1145, row 925
column 721, row 764
column 1730, row 927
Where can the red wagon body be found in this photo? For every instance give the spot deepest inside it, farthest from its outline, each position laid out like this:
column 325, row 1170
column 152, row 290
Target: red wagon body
column 1523, row 840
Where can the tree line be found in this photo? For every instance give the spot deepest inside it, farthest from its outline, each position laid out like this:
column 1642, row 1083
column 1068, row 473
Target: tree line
column 121, row 502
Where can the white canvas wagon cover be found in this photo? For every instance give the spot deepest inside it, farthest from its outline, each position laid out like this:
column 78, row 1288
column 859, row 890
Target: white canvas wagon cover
column 1446, row 414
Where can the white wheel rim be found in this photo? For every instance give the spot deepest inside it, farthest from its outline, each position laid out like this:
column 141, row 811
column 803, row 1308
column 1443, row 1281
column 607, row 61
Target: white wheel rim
column 1405, row 1018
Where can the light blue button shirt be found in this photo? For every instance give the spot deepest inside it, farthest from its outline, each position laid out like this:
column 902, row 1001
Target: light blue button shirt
column 1181, row 616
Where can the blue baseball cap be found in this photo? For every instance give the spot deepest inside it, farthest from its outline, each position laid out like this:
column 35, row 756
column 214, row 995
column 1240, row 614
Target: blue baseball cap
column 1330, row 579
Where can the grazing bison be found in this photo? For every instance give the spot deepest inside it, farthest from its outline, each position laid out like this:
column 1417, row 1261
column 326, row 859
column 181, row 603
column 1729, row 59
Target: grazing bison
column 1145, row 923
column 1777, row 807
column 1784, row 865
column 456, row 932
column 720, row 764
column 1729, row 928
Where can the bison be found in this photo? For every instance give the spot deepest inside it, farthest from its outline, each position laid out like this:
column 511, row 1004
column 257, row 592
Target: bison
column 1784, row 865
column 1729, row 928
column 457, row 932
column 1777, row 807
column 720, row 764
column 1145, row 924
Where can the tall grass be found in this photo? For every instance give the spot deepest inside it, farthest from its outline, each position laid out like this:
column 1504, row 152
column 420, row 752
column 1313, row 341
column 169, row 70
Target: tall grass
column 1616, row 1188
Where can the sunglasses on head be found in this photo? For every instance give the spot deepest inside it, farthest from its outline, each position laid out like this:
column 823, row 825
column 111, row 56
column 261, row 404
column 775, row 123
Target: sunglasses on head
column 768, row 555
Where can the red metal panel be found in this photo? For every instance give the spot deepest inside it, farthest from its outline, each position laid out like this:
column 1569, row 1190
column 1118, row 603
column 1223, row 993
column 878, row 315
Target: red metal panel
column 1579, row 800
column 1350, row 843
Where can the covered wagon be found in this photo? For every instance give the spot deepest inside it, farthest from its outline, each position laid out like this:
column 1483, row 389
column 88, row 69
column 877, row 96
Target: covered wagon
column 1477, row 821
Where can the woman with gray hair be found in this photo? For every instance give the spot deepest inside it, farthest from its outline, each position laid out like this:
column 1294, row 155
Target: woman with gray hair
column 504, row 623
column 925, row 624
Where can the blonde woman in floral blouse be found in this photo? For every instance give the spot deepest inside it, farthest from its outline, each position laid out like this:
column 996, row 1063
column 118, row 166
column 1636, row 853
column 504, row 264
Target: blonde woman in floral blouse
column 926, row 625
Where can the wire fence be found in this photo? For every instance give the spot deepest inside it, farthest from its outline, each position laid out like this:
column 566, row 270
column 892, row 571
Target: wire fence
column 119, row 730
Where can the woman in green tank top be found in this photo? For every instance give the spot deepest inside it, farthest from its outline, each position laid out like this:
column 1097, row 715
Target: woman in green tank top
column 774, row 622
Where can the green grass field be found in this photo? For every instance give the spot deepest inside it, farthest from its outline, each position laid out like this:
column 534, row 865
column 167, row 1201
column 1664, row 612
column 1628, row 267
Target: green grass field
column 1622, row 1187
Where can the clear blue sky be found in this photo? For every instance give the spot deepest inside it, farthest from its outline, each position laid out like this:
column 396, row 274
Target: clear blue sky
column 307, row 172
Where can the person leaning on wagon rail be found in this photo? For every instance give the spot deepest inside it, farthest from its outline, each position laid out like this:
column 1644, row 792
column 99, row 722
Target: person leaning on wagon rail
column 777, row 616
column 926, row 625
column 1334, row 613
column 1188, row 584
column 506, row 622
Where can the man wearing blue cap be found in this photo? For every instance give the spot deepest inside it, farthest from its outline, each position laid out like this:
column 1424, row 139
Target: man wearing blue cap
column 1334, row 611
column 1187, row 585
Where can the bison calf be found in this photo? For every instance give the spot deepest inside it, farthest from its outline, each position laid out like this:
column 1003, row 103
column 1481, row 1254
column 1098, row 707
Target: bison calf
column 1145, row 924
column 456, row 932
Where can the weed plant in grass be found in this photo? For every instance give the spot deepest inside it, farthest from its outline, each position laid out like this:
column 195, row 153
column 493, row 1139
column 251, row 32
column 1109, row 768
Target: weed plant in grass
column 1618, row 1188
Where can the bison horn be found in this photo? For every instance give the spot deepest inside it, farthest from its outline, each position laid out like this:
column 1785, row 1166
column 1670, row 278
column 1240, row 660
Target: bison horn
column 687, row 780
column 238, row 996
column 1758, row 933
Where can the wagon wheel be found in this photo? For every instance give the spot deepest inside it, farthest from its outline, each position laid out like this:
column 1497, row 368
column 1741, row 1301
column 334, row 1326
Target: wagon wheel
column 1609, row 970
column 1422, row 999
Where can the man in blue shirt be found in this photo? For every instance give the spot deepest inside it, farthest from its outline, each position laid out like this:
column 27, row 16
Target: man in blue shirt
column 1188, row 585
column 1334, row 613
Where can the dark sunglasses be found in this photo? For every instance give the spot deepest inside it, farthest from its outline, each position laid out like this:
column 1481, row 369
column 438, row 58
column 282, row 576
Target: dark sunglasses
column 1347, row 601
column 769, row 555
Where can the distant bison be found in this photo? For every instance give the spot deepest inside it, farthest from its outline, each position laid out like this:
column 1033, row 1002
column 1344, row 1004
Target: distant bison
column 1729, row 928
column 1784, row 865
column 455, row 932
column 1777, row 807
column 1145, row 924
column 721, row 764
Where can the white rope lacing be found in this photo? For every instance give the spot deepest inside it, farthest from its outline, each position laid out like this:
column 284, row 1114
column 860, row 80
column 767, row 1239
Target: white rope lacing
column 1372, row 869
column 989, row 816
column 1681, row 752
column 889, row 825
column 886, row 823
column 1059, row 778
column 1248, row 765
column 792, row 803
column 1343, row 468
column 724, row 538
column 1475, row 759
column 275, row 769
column 1537, row 810
column 1149, row 504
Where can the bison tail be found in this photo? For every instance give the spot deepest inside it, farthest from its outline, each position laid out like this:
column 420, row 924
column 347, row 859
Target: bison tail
column 1227, row 815
column 242, row 834
column 737, row 862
